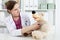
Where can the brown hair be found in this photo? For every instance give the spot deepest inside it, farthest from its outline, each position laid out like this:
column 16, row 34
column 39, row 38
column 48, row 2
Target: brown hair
column 10, row 5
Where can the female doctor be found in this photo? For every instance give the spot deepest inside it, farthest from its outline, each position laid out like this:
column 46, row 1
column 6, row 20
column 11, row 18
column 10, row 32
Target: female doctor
column 15, row 22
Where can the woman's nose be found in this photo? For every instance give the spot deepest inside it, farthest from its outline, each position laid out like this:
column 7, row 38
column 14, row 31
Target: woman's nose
column 18, row 10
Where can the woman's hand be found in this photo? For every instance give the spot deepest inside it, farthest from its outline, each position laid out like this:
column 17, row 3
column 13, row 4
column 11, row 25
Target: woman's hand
column 35, row 26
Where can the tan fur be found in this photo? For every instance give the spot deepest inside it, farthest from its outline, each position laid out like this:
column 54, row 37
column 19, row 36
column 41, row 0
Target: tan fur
column 42, row 32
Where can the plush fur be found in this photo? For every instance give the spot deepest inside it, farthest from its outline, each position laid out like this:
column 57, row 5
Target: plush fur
column 44, row 28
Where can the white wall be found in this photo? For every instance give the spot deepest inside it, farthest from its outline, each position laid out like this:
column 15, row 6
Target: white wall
column 57, row 20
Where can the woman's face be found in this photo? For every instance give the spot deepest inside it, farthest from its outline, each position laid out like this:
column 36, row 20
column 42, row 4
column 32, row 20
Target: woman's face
column 15, row 11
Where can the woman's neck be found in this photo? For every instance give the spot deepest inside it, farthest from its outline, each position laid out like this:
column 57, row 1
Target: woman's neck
column 16, row 18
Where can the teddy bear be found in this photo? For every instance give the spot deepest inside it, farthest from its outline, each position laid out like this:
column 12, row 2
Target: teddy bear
column 42, row 32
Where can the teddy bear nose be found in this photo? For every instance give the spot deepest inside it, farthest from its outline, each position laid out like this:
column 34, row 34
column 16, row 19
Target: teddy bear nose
column 33, row 12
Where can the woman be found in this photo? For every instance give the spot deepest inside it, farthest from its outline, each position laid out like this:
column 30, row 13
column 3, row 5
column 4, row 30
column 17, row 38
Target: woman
column 15, row 22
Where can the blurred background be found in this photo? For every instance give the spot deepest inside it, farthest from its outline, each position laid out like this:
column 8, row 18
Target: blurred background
column 48, row 7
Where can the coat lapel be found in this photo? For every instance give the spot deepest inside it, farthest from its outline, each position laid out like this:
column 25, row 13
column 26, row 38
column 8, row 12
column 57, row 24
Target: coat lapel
column 12, row 22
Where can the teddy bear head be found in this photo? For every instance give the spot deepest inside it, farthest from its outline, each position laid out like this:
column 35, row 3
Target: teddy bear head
column 38, row 17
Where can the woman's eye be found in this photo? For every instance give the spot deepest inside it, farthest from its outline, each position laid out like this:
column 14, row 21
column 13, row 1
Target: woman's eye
column 15, row 9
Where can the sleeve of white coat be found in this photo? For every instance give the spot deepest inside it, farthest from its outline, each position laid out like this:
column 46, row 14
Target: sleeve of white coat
column 13, row 31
